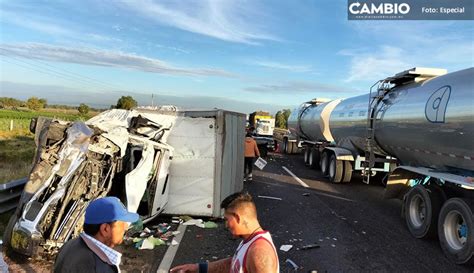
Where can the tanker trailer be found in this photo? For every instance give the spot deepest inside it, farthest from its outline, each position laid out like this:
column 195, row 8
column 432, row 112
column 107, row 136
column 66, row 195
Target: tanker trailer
column 417, row 128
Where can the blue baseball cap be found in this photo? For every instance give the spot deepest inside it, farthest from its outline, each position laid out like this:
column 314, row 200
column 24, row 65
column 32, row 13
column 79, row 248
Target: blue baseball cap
column 108, row 209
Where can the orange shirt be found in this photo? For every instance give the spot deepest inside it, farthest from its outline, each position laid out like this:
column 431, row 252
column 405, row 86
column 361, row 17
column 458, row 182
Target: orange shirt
column 251, row 149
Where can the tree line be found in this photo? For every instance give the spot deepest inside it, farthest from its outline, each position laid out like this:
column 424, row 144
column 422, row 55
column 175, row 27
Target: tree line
column 124, row 102
column 37, row 104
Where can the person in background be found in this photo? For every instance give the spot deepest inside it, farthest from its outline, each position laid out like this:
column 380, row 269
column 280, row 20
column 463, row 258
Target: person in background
column 251, row 152
column 105, row 223
column 256, row 252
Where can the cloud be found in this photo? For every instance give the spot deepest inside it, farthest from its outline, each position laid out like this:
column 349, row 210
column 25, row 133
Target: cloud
column 33, row 22
column 55, row 95
column 297, row 87
column 276, row 65
column 106, row 58
column 232, row 21
column 385, row 62
column 427, row 44
column 52, row 26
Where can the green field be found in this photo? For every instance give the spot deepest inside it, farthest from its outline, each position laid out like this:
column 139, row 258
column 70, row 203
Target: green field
column 21, row 118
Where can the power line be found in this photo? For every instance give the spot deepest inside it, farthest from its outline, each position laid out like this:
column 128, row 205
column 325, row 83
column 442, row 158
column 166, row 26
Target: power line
column 64, row 75
column 55, row 74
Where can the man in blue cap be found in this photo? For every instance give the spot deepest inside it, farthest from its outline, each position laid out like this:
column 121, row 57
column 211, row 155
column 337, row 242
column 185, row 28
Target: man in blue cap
column 105, row 223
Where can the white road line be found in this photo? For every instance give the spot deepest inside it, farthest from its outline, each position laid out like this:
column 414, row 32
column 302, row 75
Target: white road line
column 171, row 252
column 296, row 177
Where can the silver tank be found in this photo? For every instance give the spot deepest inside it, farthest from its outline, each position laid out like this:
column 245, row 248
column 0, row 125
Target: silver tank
column 429, row 124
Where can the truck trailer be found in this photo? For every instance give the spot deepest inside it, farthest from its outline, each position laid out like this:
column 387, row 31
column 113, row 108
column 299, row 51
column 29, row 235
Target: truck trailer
column 415, row 132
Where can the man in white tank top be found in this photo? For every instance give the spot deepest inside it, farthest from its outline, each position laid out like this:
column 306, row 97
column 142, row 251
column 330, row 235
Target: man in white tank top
column 255, row 254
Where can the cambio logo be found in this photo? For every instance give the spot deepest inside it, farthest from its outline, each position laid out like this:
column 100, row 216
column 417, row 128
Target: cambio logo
column 382, row 8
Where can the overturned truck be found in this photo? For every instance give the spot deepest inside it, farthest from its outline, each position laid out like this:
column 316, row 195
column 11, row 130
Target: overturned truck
column 127, row 154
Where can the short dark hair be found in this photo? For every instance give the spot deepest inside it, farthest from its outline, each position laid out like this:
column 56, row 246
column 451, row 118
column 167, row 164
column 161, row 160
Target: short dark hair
column 91, row 229
column 234, row 200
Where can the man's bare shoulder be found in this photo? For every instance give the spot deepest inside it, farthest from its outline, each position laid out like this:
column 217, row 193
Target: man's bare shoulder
column 261, row 257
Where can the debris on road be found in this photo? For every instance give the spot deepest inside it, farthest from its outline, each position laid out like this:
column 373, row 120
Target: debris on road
column 210, row 224
column 194, row 222
column 292, row 265
column 305, row 194
column 286, row 248
column 311, row 246
column 270, row 197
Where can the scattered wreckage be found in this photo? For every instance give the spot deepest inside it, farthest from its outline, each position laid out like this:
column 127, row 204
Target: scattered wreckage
column 127, row 154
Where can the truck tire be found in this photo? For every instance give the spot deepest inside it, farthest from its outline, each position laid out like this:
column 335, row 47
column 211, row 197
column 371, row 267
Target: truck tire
column 288, row 147
column 456, row 230
column 283, row 146
column 335, row 169
column 422, row 208
column 314, row 157
column 294, row 147
column 307, row 155
column 347, row 172
column 7, row 234
column 324, row 163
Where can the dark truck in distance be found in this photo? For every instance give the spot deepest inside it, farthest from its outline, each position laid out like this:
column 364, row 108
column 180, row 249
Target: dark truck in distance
column 265, row 144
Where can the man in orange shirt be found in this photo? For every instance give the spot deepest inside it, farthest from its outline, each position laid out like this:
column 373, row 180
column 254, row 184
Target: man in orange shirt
column 251, row 151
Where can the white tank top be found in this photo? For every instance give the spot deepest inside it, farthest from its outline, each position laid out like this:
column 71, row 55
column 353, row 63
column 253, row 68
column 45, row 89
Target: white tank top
column 240, row 256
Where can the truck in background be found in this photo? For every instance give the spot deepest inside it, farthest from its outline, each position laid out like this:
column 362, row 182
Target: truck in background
column 285, row 141
column 415, row 130
column 263, row 123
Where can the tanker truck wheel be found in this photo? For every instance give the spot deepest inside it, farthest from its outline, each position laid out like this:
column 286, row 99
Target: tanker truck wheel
column 421, row 211
column 294, row 147
column 284, row 146
column 335, row 169
column 307, row 155
column 347, row 172
column 314, row 158
column 456, row 230
column 324, row 163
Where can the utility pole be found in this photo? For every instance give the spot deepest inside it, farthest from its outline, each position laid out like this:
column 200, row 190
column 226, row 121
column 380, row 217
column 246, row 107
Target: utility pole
column 151, row 99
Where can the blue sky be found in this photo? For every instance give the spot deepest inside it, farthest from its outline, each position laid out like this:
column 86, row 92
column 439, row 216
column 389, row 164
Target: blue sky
column 237, row 55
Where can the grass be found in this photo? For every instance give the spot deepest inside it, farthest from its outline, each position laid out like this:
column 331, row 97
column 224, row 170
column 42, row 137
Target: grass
column 21, row 118
column 16, row 156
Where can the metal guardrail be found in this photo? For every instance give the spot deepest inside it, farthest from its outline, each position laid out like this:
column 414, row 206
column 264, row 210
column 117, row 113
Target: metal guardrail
column 10, row 193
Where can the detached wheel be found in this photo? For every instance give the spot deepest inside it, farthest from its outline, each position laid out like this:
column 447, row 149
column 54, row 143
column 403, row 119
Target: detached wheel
column 335, row 169
column 314, row 157
column 307, row 154
column 422, row 208
column 324, row 163
column 456, row 230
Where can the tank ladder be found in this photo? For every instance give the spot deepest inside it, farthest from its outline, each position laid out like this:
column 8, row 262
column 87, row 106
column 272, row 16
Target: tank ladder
column 375, row 97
